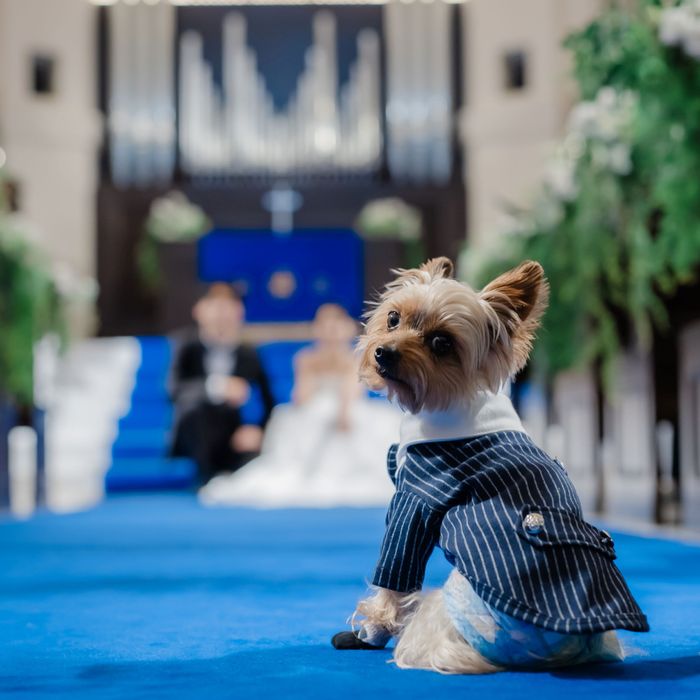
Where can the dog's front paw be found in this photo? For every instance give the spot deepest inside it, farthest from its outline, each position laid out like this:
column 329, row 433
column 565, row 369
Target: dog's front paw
column 350, row 640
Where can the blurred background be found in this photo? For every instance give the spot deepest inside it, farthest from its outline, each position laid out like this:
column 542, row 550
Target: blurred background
column 299, row 150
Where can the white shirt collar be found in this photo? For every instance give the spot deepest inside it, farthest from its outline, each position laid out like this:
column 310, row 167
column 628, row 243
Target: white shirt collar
column 486, row 413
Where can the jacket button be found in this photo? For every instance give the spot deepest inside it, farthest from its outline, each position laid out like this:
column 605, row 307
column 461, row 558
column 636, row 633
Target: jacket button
column 606, row 538
column 533, row 523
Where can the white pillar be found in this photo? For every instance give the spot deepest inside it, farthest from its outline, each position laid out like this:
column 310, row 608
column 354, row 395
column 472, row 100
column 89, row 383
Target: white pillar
column 23, row 470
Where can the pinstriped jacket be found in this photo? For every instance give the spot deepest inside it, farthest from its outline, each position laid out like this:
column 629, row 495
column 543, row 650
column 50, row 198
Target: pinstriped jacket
column 471, row 497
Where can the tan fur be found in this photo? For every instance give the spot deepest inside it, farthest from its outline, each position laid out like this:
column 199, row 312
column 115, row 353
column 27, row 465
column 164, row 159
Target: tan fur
column 520, row 299
column 430, row 641
column 386, row 609
column 492, row 332
column 426, row 637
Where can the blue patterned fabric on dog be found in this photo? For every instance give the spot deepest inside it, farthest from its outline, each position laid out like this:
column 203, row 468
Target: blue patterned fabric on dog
column 505, row 641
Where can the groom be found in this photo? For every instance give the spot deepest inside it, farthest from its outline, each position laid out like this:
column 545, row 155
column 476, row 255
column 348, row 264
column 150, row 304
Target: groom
column 212, row 378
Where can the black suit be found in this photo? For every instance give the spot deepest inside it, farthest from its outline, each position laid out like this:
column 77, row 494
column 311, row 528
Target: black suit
column 203, row 428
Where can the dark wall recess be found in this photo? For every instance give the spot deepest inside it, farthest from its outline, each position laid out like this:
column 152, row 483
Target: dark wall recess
column 43, row 74
column 515, row 70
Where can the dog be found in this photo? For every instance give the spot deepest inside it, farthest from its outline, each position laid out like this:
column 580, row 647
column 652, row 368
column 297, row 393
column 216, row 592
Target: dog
column 533, row 585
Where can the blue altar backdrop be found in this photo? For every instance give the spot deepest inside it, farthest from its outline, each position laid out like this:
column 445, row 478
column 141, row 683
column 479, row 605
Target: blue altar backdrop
column 286, row 277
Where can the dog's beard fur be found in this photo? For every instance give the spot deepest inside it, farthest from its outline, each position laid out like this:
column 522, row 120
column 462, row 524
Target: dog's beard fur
column 491, row 333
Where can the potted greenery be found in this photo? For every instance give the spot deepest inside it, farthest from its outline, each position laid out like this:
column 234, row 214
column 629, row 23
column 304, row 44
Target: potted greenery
column 30, row 307
column 393, row 234
column 167, row 255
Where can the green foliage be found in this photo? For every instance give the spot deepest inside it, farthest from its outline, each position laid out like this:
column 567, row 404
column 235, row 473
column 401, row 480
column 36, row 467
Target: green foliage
column 390, row 217
column 629, row 234
column 171, row 219
column 393, row 218
column 148, row 264
column 30, row 307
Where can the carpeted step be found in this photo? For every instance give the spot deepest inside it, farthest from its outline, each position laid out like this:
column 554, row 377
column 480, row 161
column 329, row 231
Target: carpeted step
column 150, row 474
column 140, row 442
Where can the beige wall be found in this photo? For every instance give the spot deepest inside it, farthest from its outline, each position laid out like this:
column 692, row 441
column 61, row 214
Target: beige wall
column 51, row 141
column 508, row 134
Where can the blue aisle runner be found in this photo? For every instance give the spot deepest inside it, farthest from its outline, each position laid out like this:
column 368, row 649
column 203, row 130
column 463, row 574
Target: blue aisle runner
column 152, row 596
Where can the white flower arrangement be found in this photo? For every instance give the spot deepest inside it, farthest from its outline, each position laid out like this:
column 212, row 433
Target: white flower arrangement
column 390, row 217
column 599, row 128
column 604, row 124
column 548, row 211
column 19, row 238
column 72, row 286
column 174, row 219
column 601, row 125
column 680, row 26
column 560, row 174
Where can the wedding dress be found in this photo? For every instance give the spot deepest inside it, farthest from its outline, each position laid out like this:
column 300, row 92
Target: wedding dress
column 307, row 461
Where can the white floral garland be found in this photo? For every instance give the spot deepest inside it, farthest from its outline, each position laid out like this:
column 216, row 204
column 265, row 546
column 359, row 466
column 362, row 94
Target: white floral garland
column 601, row 127
column 680, row 26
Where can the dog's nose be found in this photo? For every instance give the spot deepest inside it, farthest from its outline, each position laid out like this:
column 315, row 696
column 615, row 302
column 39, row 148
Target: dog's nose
column 386, row 357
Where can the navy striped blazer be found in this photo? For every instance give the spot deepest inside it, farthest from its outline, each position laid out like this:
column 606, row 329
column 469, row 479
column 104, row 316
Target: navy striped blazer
column 472, row 497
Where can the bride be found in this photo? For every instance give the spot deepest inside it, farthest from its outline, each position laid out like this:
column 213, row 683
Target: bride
column 326, row 448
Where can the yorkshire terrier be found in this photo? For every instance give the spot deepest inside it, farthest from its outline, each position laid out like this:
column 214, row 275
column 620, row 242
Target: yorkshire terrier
column 533, row 584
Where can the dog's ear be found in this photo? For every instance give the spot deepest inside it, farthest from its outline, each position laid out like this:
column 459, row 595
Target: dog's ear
column 519, row 298
column 439, row 267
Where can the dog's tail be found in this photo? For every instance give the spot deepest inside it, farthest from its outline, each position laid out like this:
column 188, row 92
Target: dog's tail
column 430, row 641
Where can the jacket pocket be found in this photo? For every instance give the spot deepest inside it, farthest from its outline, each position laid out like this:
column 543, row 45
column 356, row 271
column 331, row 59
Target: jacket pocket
column 548, row 528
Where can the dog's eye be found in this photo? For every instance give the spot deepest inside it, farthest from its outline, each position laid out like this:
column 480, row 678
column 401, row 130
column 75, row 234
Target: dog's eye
column 440, row 344
column 392, row 320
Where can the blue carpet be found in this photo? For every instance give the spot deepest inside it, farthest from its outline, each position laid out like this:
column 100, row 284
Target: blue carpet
column 152, row 596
